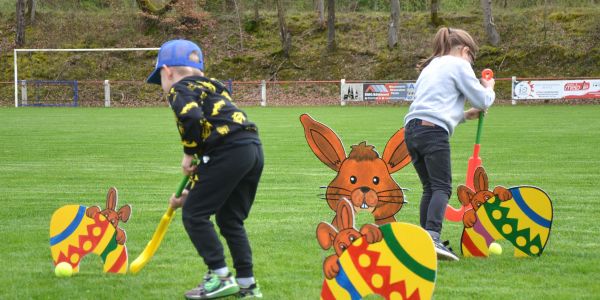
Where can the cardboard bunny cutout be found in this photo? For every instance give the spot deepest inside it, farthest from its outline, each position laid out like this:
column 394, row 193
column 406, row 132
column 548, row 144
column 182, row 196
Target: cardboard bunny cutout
column 362, row 177
column 522, row 215
column 391, row 259
column 76, row 230
column 398, row 263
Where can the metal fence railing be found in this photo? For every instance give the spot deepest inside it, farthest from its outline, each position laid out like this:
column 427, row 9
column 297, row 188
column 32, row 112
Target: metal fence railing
column 136, row 93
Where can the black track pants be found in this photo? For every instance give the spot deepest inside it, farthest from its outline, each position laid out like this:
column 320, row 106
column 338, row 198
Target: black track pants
column 226, row 187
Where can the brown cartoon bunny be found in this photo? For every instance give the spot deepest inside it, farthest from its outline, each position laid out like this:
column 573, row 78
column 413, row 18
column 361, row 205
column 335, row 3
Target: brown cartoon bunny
column 363, row 177
column 328, row 236
column 111, row 215
column 481, row 195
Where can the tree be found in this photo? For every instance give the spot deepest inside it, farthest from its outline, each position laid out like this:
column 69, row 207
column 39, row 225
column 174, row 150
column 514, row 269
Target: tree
column 239, row 11
column 286, row 37
column 31, row 10
column 331, row 25
column 488, row 23
column 394, row 23
column 256, row 15
column 320, row 7
column 20, row 37
column 435, row 8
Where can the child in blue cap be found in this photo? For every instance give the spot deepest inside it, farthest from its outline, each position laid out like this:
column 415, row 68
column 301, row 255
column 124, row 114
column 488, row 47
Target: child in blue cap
column 224, row 183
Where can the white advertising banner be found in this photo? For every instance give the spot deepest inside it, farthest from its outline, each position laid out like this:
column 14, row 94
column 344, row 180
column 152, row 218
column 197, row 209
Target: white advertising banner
column 352, row 92
column 556, row 89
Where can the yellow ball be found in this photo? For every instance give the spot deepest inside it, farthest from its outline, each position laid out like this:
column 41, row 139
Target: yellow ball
column 495, row 248
column 63, row 269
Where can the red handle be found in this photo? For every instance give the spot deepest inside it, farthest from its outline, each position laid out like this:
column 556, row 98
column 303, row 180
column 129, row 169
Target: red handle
column 487, row 74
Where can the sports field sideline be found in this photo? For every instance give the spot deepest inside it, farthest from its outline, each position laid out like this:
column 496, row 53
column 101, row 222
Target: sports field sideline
column 52, row 157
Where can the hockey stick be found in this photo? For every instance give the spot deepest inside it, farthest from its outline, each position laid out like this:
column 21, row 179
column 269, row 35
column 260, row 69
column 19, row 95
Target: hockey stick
column 456, row 214
column 159, row 233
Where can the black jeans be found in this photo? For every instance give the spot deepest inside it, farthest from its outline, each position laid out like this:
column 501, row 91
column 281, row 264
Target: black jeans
column 226, row 187
column 429, row 149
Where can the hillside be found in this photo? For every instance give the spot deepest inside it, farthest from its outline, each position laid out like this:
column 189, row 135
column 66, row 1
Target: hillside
column 565, row 43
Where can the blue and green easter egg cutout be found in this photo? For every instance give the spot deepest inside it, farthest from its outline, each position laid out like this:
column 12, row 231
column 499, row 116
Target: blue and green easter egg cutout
column 525, row 220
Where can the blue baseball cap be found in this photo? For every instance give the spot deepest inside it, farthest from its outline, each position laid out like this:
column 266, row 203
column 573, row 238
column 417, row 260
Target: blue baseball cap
column 176, row 53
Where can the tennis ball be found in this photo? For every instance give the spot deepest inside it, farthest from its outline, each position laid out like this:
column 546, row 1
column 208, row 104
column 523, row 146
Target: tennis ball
column 495, row 248
column 63, row 269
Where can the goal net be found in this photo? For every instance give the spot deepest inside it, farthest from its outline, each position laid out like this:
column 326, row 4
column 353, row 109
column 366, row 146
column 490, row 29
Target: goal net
column 84, row 77
column 49, row 93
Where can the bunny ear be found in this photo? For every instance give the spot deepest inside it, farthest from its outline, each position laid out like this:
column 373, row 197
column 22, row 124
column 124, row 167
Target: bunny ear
column 325, row 235
column 396, row 154
column 124, row 213
column 345, row 214
column 465, row 194
column 480, row 179
column 326, row 145
column 111, row 198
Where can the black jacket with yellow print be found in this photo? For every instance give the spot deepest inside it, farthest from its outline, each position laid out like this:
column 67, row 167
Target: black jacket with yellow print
column 206, row 116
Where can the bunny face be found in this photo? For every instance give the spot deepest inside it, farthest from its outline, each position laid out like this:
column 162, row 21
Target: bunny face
column 329, row 236
column 367, row 184
column 479, row 198
column 344, row 239
column 363, row 176
column 111, row 215
column 343, row 236
column 481, row 195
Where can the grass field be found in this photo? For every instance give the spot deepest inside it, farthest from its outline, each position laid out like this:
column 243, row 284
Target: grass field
column 54, row 157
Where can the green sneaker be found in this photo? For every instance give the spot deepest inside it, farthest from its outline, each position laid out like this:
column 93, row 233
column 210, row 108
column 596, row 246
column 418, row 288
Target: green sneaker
column 214, row 286
column 252, row 291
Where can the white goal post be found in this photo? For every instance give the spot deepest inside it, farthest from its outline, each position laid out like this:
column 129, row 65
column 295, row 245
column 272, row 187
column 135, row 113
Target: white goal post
column 16, row 51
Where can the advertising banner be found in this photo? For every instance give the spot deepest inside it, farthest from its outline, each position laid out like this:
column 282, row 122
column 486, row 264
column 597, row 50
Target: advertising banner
column 556, row 89
column 378, row 92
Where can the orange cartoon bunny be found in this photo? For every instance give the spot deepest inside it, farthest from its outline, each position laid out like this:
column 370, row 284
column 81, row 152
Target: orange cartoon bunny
column 363, row 177
column 478, row 197
column 111, row 215
column 328, row 236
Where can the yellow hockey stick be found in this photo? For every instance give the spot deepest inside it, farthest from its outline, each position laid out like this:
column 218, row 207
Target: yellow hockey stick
column 161, row 229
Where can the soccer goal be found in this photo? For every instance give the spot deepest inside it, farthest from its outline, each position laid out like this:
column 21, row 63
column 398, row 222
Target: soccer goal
column 81, row 77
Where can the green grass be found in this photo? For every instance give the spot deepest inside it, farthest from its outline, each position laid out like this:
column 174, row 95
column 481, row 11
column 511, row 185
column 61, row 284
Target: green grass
column 52, row 157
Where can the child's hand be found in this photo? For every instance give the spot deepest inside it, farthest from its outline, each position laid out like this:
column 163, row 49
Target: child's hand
column 176, row 203
column 186, row 165
column 488, row 83
column 473, row 113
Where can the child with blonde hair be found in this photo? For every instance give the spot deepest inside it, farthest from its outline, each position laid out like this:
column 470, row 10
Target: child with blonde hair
column 446, row 82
